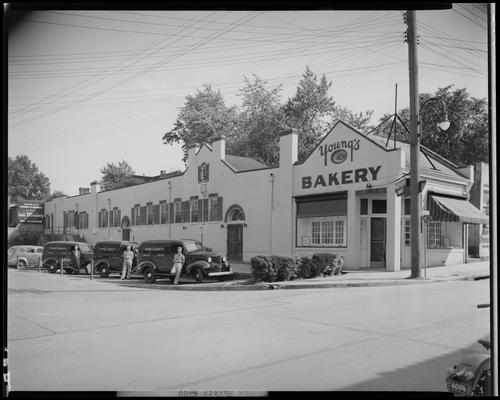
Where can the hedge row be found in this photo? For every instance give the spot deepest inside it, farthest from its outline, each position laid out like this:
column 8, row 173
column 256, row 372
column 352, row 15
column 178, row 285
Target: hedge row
column 279, row 268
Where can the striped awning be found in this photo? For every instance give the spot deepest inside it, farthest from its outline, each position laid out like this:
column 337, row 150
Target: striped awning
column 455, row 210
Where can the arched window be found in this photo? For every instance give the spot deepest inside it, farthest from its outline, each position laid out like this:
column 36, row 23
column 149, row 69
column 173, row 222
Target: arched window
column 237, row 215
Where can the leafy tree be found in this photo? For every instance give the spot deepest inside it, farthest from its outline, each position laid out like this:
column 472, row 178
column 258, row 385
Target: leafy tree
column 260, row 121
column 203, row 117
column 113, row 173
column 466, row 141
column 25, row 181
column 310, row 111
column 55, row 194
column 360, row 121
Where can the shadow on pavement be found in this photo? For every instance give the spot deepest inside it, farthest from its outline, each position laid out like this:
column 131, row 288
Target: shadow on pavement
column 431, row 371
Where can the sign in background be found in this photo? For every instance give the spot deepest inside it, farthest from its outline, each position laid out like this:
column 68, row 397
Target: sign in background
column 30, row 213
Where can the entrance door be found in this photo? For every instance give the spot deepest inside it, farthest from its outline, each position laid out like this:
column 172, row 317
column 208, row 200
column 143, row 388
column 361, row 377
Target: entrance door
column 126, row 234
column 235, row 242
column 377, row 242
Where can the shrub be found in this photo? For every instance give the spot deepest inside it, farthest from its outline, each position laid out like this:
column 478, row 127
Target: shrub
column 306, row 268
column 273, row 268
column 286, row 268
column 328, row 264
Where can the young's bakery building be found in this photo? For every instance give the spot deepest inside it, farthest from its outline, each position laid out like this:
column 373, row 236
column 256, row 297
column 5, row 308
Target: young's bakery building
column 347, row 197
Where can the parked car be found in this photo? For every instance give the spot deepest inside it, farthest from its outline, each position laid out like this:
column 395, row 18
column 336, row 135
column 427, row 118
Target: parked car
column 54, row 252
column 108, row 256
column 27, row 255
column 155, row 260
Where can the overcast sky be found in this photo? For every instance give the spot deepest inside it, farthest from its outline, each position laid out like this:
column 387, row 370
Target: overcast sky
column 90, row 87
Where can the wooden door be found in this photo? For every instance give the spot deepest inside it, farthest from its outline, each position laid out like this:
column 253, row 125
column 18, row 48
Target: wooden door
column 377, row 242
column 235, row 242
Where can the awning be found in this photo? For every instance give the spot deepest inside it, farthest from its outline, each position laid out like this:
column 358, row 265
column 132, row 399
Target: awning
column 456, row 210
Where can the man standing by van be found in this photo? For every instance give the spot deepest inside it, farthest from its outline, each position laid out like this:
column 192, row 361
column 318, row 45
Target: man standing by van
column 128, row 256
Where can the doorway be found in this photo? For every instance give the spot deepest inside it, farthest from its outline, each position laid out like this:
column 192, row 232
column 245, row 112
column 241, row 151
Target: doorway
column 126, row 228
column 377, row 242
column 235, row 242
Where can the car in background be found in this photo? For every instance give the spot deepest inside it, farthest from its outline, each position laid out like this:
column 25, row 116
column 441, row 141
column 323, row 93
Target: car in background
column 155, row 260
column 26, row 254
column 60, row 251
column 108, row 256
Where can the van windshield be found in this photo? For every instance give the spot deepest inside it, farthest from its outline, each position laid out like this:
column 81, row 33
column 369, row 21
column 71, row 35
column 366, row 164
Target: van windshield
column 193, row 246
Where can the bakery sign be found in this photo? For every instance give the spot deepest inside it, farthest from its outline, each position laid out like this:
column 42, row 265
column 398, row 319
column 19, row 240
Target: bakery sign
column 339, row 151
column 345, row 177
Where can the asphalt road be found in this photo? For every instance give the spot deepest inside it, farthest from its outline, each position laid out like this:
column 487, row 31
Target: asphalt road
column 70, row 333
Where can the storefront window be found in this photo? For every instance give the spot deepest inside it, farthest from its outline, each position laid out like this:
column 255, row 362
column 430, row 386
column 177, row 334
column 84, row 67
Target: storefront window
column 434, row 235
column 322, row 220
column 379, row 206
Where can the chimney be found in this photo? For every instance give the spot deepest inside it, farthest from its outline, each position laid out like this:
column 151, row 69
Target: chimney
column 219, row 147
column 83, row 190
column 95, row 187
column 288, row 147
column 192, row 154
column 163, row 173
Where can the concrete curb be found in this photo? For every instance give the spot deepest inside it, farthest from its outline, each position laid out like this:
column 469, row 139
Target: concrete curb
column 242, row 286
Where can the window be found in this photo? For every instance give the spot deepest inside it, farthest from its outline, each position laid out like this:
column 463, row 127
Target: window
column 364, row 207
column 136, row 214
column 149, row 214
column 379, row 206
column 328, row 231
column 434, row 236
column 407, row 232
column 407, row 207
column 316, row 232
column 322, row 220
column 115, row 217
column 178, row 212
column 83, row 220
column 103, row 219
column 213, row 208
column 194, row 209
column 163, row 213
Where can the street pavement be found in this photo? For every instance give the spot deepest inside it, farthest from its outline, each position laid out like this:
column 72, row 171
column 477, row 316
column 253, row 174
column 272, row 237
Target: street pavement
column 72, row 333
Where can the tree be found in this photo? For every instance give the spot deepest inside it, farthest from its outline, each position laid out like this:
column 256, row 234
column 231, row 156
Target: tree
column 25, row 181
column 55, row 194
column 310, row 111
column 261, row 121
column 203, row 117
column 113, row 173
column 466, row 141
column 360, row 121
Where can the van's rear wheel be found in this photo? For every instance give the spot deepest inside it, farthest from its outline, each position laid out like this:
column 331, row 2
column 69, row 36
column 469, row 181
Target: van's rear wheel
column 104, row 271
column 51, row 266
column 149, row 275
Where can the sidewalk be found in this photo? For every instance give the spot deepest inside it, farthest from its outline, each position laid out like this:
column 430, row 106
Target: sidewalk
column 350, row 278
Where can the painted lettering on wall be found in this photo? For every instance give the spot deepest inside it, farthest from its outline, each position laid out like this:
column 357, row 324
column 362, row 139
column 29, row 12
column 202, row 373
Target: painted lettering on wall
column 342, row 178
column 338, row 152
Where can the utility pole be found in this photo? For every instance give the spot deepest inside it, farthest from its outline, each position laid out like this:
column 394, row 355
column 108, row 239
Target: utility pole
column 415, row 200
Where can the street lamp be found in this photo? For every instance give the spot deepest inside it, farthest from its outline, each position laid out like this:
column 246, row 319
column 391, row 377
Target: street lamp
column 415, row 195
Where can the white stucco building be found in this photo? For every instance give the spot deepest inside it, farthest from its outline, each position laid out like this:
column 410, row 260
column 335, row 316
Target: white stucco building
column 342, row 199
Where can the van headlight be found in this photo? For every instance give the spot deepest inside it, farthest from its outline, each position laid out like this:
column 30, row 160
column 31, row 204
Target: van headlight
column 209, row 259
column 224, row 259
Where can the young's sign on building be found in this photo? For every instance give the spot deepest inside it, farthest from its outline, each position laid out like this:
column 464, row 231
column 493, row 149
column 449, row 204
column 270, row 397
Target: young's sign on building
column 339, row 151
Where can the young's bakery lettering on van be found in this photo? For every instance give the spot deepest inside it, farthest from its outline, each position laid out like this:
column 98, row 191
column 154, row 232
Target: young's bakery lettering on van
column 339, row 151
column 342, row 177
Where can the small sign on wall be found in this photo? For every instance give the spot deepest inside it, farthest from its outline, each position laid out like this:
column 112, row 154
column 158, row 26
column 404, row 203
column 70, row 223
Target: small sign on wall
column 305, row 240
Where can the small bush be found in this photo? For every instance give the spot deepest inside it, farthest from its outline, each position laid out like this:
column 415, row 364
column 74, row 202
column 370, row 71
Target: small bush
column 328, row 264
column 286, row 268
column 273, row 268
column 306, row 268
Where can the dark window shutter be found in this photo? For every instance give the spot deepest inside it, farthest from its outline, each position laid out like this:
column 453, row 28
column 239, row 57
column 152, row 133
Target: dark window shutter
column 132, row 213
column 201, row 217
column 143, row 215
column 219, row 208
column 171, row 213
column 206, row 211
column 156, row 214
column 185, row 211
column 119, row 222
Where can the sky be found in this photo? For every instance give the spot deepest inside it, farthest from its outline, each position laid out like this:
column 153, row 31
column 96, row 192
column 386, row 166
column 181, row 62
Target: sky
column 90, row 87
